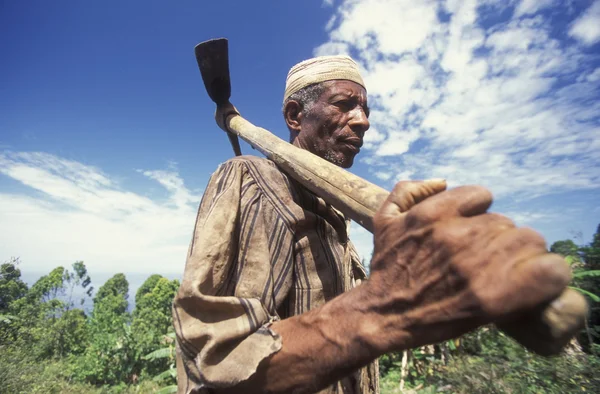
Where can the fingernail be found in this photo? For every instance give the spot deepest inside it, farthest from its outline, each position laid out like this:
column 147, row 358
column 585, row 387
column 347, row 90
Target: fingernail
column 436, row 180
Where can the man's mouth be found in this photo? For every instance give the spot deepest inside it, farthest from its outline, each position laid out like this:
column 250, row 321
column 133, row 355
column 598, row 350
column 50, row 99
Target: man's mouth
column 352, row 143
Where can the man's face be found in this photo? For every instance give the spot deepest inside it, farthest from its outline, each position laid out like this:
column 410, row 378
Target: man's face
column 335, row 125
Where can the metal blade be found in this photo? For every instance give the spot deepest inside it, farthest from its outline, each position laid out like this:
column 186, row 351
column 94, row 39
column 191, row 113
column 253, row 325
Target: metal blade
column 213, row 61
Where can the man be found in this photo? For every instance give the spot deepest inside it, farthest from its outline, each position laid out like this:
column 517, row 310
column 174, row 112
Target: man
column 272, row 299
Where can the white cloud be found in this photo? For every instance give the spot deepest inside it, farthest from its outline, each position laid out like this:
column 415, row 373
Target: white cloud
column 81, row 213
column 530, row 7
column 394, row 26
column 594, row 76
column 363, row 240
column 529, row 218
column 386, row 176
column 495, row 103
column 587, row 27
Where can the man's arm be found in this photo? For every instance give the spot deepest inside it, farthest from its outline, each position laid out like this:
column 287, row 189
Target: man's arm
column 439, row 270
column 227, row 295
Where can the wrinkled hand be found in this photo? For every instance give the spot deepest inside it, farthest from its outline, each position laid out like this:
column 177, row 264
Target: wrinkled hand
column 448, row 266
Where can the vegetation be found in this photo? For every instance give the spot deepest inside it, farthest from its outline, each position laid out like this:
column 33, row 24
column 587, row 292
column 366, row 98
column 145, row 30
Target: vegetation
column 50, row 344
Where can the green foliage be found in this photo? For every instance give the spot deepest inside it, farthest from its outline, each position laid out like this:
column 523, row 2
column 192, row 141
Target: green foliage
column 565, row 248
column 111, row 300
column 108, row 357
column 11, row 286
column 158, row 353
column 389, row 362
column 151, row 320
column 503, row 366
column 45, row 321
column 487, row 361
column 49, row 344
column 146, row 288
column 166, row 353
column 585, row 265
column 591, row 295
column 20, row 373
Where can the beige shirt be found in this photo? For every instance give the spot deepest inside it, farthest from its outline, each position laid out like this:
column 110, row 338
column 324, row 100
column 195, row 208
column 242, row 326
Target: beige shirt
column 264, row 248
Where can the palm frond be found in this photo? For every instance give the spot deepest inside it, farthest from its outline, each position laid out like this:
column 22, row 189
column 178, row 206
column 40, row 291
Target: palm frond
column 159, row 353
column 167, row 390
column 593, row 296
column 584, row 274
column 169, row 373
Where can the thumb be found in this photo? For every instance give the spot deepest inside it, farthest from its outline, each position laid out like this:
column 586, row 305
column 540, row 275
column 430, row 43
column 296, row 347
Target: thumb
column 407, row 194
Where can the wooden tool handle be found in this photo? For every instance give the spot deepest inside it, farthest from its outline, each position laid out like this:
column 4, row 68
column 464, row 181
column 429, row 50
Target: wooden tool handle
column 352, row 195
column 546, row 330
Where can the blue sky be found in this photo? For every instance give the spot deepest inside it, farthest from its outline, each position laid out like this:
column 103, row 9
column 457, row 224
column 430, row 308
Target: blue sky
column 107, row 136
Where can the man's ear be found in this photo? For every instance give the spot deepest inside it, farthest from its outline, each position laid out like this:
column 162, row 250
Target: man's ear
column 292, row 113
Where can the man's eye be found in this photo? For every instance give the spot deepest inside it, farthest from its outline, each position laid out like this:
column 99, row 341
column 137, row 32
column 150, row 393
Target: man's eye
column 345, row 105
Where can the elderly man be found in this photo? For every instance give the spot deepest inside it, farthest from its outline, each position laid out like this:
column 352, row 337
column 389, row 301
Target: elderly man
column 272, row 299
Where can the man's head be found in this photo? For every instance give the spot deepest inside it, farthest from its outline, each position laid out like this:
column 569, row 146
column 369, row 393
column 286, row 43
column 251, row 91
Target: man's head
column 325, row 108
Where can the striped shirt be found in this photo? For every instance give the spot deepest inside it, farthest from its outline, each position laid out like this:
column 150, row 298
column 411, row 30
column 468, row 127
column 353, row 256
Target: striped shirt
column 264, row 248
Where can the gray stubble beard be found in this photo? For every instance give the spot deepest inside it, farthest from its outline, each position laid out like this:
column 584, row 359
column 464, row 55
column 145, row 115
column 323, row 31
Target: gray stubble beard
column 332, row 158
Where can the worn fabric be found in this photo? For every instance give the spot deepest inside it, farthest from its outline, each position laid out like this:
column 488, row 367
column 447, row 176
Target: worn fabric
column 264, row 248
column 321, row 69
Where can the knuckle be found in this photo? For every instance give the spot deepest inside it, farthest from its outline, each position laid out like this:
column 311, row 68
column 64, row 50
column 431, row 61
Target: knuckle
column 447, row 232
column 558, row 269
column 476, row 191
column 482, row 191
column 405, row 194
column 531, row 237
column 422, row 214
column 401, row 186
column 499, row 221
column 454, row 231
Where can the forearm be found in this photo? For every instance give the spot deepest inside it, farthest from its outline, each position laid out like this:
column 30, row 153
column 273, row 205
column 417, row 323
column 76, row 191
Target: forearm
column 324, row 345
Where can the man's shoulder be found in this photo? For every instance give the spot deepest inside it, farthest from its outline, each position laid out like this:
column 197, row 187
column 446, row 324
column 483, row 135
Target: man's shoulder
column 266, row 178
column 255, row 160
column 254, row 164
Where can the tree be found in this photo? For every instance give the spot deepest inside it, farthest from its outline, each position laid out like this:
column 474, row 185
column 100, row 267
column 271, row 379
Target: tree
column 565, row 247
column 166, row 353
column 11, row 286
column 152, row 320
column 585, row 265
column 46, row 322
column 589, row 280
column 109, row 357
column 112, row 296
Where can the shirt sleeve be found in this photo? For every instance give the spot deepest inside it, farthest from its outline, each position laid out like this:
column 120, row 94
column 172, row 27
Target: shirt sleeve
column 237, row 274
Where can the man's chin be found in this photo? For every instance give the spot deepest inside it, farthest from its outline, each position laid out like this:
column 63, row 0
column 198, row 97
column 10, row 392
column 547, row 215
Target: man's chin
column 341, row 160
column 348, row 162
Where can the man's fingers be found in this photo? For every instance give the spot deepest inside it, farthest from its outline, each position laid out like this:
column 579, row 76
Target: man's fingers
column 479, row 232
column 547, row 330
column 465, row 201
column 524, row 275
column 540, row 279
column 407, row 194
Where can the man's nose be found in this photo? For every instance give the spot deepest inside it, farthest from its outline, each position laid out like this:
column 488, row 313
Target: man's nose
column 359, row 122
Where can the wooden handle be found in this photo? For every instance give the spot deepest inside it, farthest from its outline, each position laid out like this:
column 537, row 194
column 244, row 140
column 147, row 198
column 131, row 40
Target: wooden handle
column 352, row 195
column 545, row 330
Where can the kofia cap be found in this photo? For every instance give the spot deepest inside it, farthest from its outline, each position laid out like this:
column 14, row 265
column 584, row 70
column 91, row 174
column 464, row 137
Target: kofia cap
column 321, row 69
